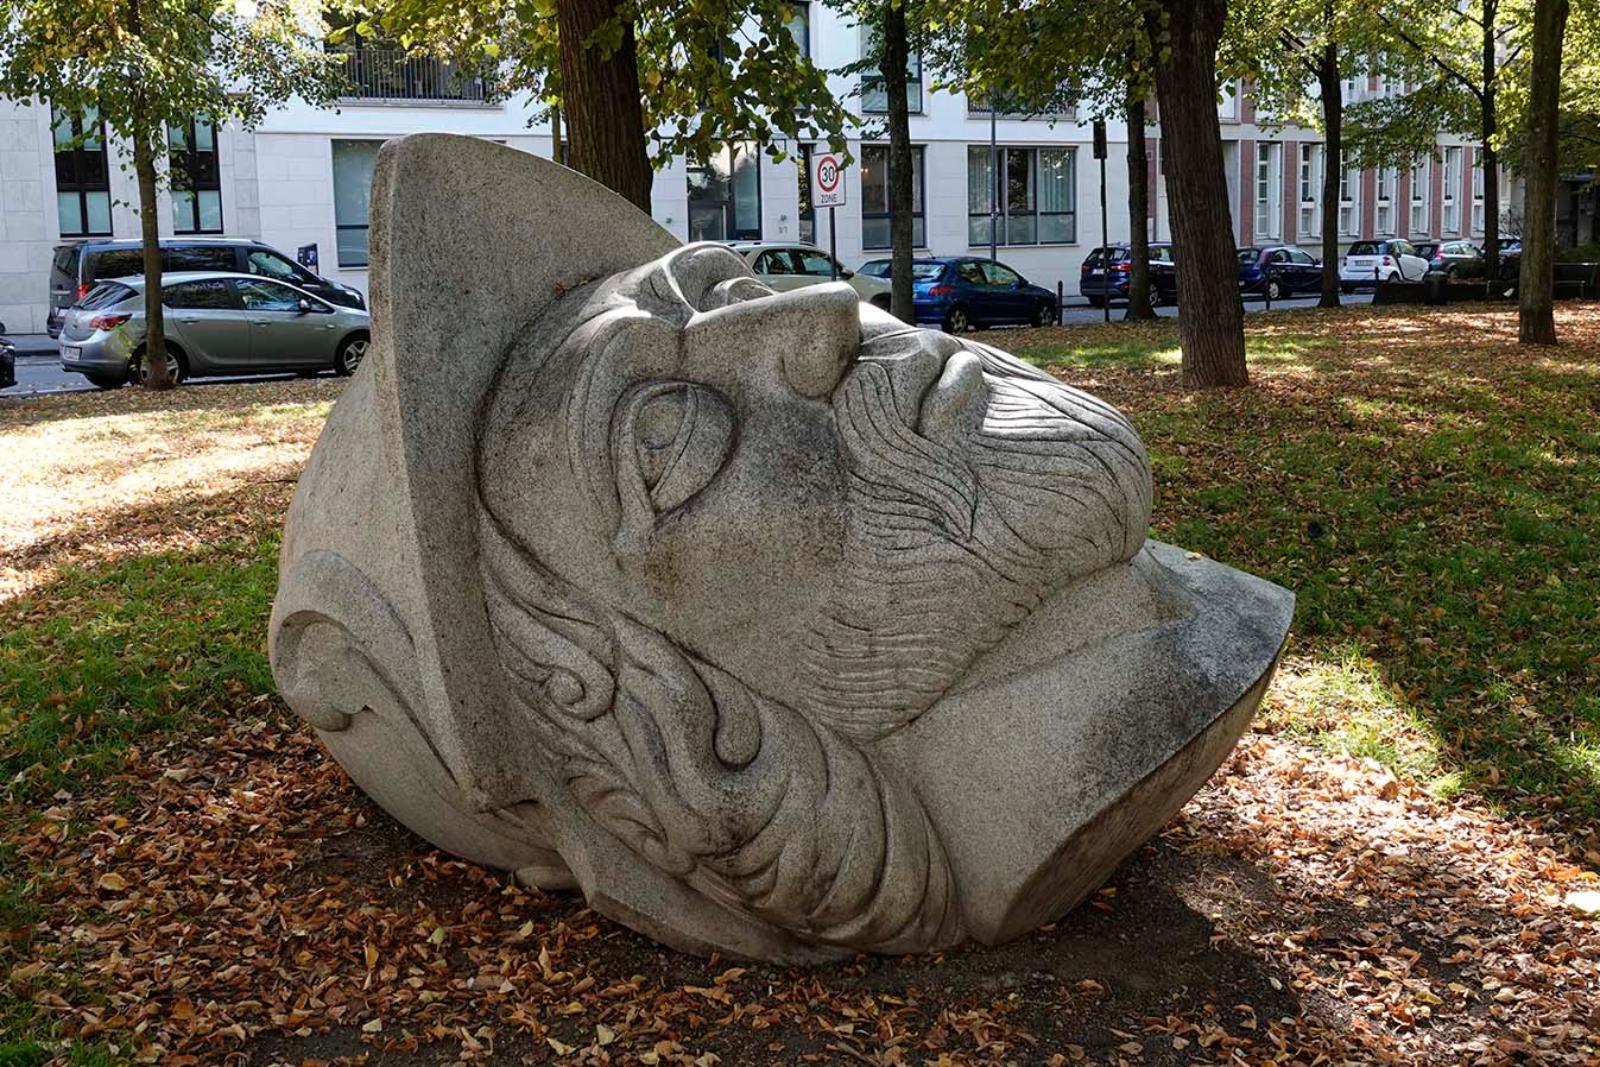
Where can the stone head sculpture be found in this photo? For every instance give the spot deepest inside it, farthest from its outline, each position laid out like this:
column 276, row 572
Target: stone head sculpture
column 771, row 624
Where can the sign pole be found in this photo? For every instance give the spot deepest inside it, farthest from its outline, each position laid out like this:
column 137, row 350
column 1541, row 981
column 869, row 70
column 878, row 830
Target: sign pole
column 833, row 240
column 1105, row 238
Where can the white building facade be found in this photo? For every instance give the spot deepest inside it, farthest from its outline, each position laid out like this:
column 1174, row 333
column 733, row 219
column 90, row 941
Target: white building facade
column 302, row 178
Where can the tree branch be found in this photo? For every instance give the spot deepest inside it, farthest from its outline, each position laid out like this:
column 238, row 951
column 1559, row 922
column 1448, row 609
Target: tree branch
column 1431, row 57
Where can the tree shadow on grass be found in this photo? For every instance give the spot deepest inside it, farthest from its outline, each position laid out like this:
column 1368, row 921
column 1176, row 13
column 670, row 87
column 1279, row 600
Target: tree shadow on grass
column 197, row 401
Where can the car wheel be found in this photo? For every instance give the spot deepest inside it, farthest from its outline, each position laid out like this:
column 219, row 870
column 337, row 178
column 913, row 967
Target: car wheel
column 106, row 381
column 177, row 366
column 1274, row 289
column 351, row 353
column 955, row 321
column 1045, row 316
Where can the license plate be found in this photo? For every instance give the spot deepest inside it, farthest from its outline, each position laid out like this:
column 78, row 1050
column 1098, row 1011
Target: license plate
column 72, row 353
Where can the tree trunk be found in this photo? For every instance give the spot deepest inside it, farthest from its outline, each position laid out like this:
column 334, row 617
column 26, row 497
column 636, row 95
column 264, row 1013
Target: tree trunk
column 604, row 111
column 892, row 62
column 1211, row 327
column 155, row 337
column 1332, row 163
column 1138, row 211
column 1491, row 158
column 1537, row 288
column 154, row 359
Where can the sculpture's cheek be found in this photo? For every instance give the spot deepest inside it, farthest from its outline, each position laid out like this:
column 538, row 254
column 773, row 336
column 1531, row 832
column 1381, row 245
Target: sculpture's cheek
column 738, row 572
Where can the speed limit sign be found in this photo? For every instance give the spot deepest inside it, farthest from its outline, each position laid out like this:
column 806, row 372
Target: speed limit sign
column 827, row 180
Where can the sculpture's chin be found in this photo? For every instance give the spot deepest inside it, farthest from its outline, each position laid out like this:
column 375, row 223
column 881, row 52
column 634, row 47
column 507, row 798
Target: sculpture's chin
column 1090, row 724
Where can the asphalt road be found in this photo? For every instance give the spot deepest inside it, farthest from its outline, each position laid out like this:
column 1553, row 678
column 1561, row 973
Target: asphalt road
column 39, row 374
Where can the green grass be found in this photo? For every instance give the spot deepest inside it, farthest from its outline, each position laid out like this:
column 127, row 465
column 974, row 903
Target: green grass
column 105, row 655
column 1436, row 507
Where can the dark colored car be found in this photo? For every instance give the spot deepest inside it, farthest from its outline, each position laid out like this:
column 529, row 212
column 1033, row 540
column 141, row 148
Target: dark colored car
column 8, row 360
column 75, row 268
column 965, row 291
column 1457, row 259
column 1107, row 274
column 1510, row 259
column 1277, row 271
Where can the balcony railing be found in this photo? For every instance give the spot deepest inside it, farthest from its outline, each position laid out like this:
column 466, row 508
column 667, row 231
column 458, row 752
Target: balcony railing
column 395, row 74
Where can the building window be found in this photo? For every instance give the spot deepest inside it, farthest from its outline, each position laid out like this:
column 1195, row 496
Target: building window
column 874, row 94
column 83, row 180
column 800, row 25
column 1477, row 193
column 875, row 197
column 1036, row 198
column 196, row 178
column 1388, row 178
column 807, row 214
column 352, row 188
column 1310, row 190
column 725, row 195
column 1451, row 203
column 1349, row 207
column 1419, row 196
column 1267, row 186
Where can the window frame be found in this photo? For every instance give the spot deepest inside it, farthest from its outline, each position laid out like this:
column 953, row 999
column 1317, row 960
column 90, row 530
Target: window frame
column 349, row 227
column 872, row 78
column 918, row 196
column 1311, row 159
column 77, row 156
column 1450, row 200
column 191, row 167
column 1385, row 219
column 1423, row 169
column 1268, row 219
column 731, row 220
column 1003, row 213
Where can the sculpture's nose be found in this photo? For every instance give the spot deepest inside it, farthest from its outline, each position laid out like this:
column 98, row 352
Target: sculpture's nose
column 812, row 334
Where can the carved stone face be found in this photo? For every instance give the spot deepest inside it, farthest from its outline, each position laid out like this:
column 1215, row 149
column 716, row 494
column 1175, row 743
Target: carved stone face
column 837, row 509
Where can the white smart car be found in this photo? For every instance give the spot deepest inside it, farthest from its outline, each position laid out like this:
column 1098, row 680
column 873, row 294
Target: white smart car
column 790, row 266
column 1370, row 262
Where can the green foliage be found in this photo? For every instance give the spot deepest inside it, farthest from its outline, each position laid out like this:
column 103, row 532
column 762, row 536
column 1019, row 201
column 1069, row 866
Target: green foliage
column 144, row 64
column 710, row 71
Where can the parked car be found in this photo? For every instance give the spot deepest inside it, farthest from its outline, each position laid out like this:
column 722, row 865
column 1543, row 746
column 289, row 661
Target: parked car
column 75, row 268
column 216, row 324
column 1456, row 259
column 876, row 268
column 1277, row 271
column 794, row 265
column 959, row 292
column 1370, row 262
column 1107, row 274
column 1510, row 259
column 8, row 360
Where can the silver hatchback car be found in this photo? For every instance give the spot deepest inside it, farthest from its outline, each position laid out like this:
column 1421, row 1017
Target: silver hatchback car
column 216, row 324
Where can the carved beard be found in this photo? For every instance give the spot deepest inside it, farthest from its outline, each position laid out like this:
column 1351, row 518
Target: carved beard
column 954, row 536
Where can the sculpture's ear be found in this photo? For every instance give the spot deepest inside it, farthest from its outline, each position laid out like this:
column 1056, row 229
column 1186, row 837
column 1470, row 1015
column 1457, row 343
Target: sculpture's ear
column 472, row 243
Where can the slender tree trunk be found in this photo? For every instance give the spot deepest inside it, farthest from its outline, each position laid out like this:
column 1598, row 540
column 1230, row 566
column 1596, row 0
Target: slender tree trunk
column 1138, row 210
column 604, row 111
column 1211, row 327
column 1491, row 157
column 1537, row 288
column 1332, row 163
column 892, row 62
column 555, row 133
column 154, row 359
column 155, row 338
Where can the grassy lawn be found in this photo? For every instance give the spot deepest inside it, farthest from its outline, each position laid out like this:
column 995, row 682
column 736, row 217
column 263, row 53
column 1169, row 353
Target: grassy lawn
column 184, row 877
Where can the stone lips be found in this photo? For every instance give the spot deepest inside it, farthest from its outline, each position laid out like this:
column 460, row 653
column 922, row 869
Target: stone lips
column 679, row 800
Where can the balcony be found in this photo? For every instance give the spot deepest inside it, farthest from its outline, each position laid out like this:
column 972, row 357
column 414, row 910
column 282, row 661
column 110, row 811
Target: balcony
column 395, row 75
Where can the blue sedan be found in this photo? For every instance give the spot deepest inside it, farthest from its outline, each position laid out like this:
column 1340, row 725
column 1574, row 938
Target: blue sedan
column 962, row 292
column 1277, row 271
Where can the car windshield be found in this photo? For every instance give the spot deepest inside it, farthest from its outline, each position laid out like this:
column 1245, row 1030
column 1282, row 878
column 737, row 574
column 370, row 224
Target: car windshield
column 105, row 295
column 1106, row 255
column 1366, row 248
column 926, row 272
column 1247, row 256
column 1427, row 249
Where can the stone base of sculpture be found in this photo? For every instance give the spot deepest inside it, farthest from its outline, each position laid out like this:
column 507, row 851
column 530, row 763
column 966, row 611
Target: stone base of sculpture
column 772, row 626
